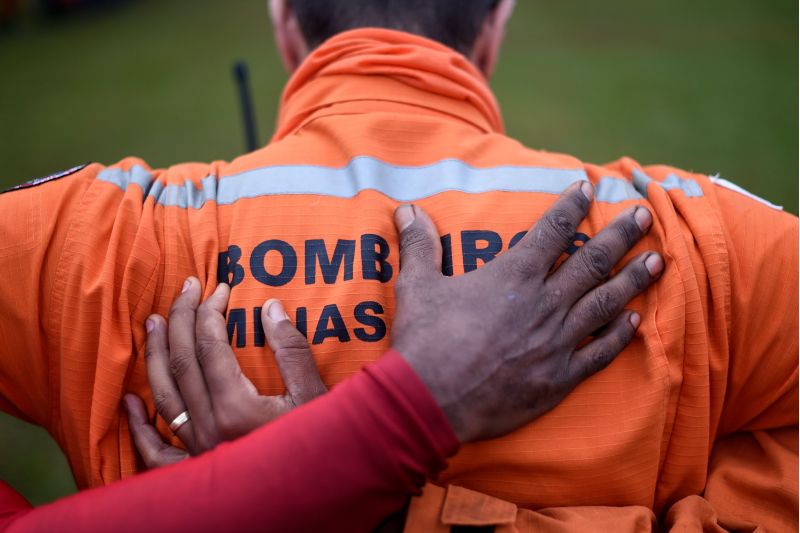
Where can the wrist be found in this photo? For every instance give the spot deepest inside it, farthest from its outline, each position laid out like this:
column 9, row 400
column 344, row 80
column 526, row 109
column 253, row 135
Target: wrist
column 434, row 380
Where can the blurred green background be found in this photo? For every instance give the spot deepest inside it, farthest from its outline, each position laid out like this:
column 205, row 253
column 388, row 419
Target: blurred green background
column 708, row 86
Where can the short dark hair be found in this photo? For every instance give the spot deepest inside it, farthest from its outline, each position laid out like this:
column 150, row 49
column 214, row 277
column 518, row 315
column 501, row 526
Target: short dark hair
column 455, row 23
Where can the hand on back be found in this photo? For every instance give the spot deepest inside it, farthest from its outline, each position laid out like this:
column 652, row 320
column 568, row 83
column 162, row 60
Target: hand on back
column 192, row 369
column 497, row 347
column 504, row 344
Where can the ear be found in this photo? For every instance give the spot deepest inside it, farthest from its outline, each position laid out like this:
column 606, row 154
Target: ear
column 289, row 39
column 490, row 38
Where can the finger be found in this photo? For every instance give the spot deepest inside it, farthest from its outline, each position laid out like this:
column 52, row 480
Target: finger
column 185, row 367
column 217, row 360
column 166, row 396
column 154, row 451
column 420, row 246
column 604, row 303
column 599, row 353
column 593, row 262
column 297, row 367
column 553, row 234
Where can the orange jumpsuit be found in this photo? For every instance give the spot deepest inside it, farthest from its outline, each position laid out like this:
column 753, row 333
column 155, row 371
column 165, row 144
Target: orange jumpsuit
column 694, row 424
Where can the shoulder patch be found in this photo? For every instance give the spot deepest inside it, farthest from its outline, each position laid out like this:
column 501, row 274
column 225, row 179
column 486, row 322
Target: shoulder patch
column 722, row 182
column 51, row 177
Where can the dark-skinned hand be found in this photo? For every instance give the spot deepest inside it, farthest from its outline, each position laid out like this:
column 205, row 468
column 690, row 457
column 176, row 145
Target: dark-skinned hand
column 502, row 345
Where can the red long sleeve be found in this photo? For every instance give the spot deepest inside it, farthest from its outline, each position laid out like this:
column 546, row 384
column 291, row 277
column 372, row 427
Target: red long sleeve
column 340, row 463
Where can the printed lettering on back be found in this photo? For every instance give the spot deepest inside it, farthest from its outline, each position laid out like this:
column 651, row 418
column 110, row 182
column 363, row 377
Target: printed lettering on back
column 319, row 262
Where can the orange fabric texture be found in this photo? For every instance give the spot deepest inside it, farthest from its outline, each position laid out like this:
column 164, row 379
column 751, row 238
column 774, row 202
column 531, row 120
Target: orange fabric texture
column 706, row 391
column 437, row 510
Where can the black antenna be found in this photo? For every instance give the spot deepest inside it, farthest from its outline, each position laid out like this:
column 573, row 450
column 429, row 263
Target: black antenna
column 242, row 76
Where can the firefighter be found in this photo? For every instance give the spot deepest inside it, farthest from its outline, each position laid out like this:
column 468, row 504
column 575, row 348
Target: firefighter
column 693, row 425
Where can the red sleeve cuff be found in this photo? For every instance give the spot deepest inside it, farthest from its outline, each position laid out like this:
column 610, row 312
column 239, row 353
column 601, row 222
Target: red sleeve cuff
column 394, row 373
column 342, row 462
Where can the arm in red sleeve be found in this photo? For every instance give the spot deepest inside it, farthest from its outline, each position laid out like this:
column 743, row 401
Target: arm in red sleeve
column 340, row 463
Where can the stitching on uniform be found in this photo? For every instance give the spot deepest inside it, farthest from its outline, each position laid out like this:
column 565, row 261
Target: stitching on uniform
column 57, row 296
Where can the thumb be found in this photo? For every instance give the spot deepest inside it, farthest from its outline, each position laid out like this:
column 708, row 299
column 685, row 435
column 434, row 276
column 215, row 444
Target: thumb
column 420, row 246
column 295, row 363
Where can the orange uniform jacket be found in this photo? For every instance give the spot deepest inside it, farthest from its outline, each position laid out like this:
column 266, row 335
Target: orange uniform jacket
column 694, row 424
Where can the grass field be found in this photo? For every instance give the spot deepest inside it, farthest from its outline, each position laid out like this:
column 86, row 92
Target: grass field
column 709, row 86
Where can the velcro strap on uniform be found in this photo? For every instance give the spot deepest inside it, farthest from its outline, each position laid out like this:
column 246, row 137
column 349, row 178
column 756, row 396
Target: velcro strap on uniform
column 437, row 509
column 464, row 507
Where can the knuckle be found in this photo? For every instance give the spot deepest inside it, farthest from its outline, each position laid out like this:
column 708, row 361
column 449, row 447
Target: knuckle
column 181, row 362
column 174, row 310
column 545, row 392
column 295, row 353
column 204, row 312
column 414, row 238
column 227, row 425
column 604, row 305
column 549, row 303
column 208, row 348
column 638, row 278
column 524, row 266
column 559, row 223
column 600, row 360
column 161, row 400
column 596, row 261
column 295, row 341
column 180, row 311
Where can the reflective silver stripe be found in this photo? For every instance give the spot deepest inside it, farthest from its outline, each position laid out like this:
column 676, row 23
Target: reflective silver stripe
column 122, row 178
column 403, row 184
column 722, row 182
column 689, row 187
column 615, row 190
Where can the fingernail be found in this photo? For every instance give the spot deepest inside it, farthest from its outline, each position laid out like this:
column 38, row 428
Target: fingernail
column 643, row 218
column 404, row 216
column 587, row 190
column 635, row 320
column 186, row 285
column 150, row 325
column 654, row 264
column 276, row 313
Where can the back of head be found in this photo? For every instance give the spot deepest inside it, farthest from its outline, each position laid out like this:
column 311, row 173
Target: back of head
column 455, row 23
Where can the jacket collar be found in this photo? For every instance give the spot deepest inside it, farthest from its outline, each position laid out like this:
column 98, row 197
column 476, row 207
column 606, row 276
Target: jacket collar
column 362, row 68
